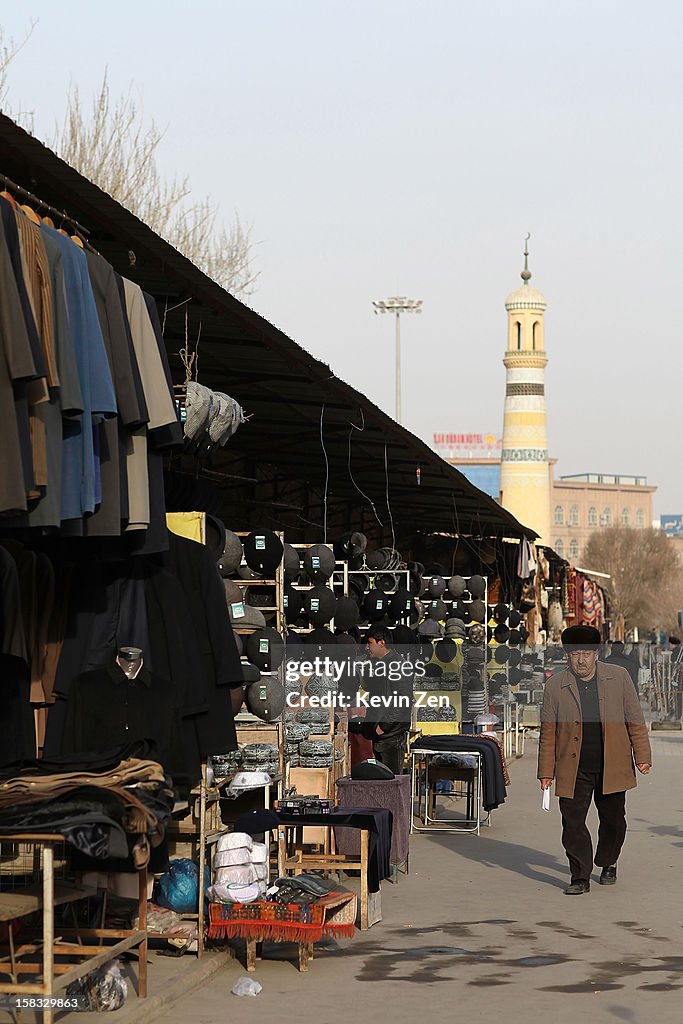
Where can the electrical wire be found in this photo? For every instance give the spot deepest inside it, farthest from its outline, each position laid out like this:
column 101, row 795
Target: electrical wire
column 391, row 518
column 362, row 493
column 327, row 480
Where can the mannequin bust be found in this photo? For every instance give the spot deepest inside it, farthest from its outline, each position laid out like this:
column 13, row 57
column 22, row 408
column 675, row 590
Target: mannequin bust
column 130, row 661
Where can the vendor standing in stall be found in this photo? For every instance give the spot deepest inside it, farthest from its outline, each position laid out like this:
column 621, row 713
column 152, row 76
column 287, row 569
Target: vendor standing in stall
column 387, row 727
column 592, row 731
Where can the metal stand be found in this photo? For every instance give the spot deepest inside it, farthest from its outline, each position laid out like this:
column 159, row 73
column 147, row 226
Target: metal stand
column 420, row 774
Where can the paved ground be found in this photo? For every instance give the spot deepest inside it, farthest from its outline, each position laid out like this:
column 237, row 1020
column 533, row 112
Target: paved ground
column 481, row 925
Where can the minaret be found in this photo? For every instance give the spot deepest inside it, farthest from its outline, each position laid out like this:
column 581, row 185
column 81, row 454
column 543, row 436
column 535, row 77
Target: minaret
column 524, row 471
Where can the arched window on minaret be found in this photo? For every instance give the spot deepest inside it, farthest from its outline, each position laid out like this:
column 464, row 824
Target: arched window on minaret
column 518, row 327
column 534, row 329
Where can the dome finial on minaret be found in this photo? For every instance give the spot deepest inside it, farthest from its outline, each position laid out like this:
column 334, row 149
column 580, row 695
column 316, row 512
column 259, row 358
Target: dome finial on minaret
column 526, row 273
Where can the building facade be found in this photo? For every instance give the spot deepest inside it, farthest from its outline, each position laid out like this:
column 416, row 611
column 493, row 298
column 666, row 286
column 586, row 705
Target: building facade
column 587, row 502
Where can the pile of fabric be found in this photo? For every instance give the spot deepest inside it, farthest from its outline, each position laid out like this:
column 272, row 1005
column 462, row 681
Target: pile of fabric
column 113, row 809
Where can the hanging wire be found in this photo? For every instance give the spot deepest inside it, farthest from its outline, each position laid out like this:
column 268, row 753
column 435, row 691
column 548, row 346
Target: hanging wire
column 391, row 518
column 364, row 495
column 327, row 474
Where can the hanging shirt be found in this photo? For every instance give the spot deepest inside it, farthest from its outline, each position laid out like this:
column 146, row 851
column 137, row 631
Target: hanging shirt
column 80, row 472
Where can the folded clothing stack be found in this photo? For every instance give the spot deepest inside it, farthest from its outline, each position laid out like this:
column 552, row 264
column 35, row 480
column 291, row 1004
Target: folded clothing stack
column 319, row 721
column 315, row 753
column 295, row 732
column 261, row 757
column 240, row 869
column 225, row 765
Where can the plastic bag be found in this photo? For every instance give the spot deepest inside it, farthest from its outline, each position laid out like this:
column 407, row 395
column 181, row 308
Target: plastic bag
column 246, row 987
column 178, row 889
column 102, row 989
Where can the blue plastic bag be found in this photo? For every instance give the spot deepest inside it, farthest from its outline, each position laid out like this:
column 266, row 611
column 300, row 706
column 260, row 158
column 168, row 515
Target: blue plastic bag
column 178, row 889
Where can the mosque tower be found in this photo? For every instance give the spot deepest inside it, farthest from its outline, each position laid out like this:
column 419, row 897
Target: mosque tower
column 524, row 471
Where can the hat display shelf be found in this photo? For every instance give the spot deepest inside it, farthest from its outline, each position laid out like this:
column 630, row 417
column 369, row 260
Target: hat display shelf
column 458, row 700
column 250, row 728
column 305, row 588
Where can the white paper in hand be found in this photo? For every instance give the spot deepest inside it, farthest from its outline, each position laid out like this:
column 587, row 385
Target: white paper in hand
column 545, row 803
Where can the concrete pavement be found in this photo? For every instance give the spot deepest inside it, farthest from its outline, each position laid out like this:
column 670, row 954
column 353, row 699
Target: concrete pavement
column 481, row 926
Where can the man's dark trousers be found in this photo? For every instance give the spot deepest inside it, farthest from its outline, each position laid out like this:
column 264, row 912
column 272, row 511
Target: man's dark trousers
column 391, row 750
column 576, row 838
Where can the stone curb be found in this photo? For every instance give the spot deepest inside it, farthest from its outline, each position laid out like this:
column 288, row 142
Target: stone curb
column 149, row 1009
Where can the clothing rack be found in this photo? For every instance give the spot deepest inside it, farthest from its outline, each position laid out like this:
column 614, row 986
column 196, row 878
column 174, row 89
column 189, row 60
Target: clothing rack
column 12, row 186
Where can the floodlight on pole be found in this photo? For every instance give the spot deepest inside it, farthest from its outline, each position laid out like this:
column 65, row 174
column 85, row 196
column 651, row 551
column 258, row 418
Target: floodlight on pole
column 398, row 304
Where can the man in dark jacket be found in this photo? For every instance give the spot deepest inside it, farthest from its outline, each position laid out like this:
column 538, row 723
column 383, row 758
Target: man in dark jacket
column 386, row 727
column 619, row 657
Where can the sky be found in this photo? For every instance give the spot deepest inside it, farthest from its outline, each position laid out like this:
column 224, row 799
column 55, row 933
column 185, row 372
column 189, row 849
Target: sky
column 388, row 147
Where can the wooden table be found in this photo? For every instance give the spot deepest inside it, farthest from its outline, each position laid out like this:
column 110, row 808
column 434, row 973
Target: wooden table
column 57, row 976
column 299, row 861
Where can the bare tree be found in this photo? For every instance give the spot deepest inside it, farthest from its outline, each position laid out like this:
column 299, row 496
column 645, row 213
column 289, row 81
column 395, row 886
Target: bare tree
column 115, row 145
column 646, row 584
column 8, row 51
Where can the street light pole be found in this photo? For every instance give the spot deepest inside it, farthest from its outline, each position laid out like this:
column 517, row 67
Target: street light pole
column 398, row 304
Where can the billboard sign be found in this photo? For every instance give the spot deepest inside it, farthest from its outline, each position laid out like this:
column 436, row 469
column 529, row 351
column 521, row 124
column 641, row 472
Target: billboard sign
column 470, row 446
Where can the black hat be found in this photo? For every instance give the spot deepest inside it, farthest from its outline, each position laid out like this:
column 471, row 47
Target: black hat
column 214, row 532
column 436, row 585
column 523, row 634
column 263, row 552
column 346, row 613
column 478, row 611
column 401, row 605
column 266, row 649
column 347, row 638
column 500, row 613
column 320, row 604
column 232, row 554
column 376, row 560
column 266, row 699
column 294, row 604
column 515, row 676
column 433, row 671
column 292, row 562
column 446, row 650
column 514, row 618
column 321, row 637
column 319, row 562
column 502, row 654
column 437, row 610
column 501, row 634
column 477, row 586
column 260, row 819
column 581, row 636
column 250, row 672
column 376, row 605
column 456, row 586
column 515, row 658
column 404, row 636
column 515, row 638
column 415, row 583
column 385, row 581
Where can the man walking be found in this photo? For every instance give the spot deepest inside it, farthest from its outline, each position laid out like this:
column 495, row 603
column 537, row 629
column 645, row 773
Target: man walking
column 592, row 730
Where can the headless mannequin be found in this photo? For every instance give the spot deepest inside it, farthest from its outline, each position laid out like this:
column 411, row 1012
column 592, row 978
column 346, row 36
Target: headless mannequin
column 130, row 661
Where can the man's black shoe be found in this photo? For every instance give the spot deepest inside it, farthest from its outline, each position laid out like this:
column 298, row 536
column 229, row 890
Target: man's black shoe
column 608, row 876
column 577, row 888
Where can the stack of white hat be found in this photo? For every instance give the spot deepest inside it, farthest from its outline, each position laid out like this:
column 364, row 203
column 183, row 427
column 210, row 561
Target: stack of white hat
column 240, row 869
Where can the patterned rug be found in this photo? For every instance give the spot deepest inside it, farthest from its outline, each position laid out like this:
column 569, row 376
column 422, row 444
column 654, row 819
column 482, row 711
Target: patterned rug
column 333, row 915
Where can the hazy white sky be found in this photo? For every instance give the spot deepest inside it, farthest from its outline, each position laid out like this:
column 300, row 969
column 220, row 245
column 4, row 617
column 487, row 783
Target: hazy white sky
column 384, row 147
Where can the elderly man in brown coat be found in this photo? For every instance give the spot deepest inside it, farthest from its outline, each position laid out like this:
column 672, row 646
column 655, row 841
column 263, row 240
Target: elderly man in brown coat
column 592, row 731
